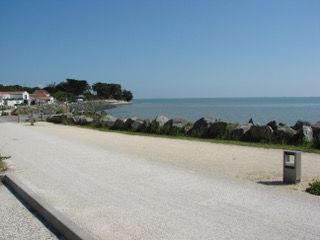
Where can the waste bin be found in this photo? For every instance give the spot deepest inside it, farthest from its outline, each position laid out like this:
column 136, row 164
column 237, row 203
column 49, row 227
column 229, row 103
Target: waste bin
column 291, row 167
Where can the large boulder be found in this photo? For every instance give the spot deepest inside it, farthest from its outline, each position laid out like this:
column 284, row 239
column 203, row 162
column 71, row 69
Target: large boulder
column 240, row 132
column 316, row 129
column 128, row 123
column 82, row 120
column 217, row 129
column 57, row 118
column 307, row 133
column 304, row 132
column 175, row 126
column 108, row 121
column 299, row 124
column 118, row 124
column 285, row 135
column 138, row 126
column 273, row 124
column 316, row 134
column 158, row 123
column 259, row 133
column 147, row 124
column 200, row 127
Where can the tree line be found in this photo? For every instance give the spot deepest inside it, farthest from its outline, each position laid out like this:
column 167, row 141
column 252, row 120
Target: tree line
column 16, row 88
column 69, row 89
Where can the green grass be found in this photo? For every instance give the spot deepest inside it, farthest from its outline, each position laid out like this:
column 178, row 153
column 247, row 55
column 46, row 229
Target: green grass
column 314, row 188
column 307, row 147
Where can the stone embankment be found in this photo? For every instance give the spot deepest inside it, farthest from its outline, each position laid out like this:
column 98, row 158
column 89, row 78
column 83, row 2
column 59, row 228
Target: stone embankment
column 273, row 132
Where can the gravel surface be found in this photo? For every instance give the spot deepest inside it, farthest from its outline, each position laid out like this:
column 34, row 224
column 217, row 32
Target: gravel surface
column 16, row 222
column 116, row 194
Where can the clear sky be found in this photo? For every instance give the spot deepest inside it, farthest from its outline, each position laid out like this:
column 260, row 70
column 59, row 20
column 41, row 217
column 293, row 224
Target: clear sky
column 165, row 48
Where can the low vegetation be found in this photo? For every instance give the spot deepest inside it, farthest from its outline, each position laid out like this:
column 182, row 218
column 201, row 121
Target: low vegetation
column 3, row 165
column 314, row 188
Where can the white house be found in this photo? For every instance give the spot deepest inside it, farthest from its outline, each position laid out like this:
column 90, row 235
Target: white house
column 41, row 96
column 11, row 99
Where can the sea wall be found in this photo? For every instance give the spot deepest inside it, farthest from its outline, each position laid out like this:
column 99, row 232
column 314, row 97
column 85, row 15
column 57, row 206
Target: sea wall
column 273, row 132
column 74, row 107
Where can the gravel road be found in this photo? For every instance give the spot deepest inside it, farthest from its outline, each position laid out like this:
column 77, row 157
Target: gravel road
column 16, row 222
column 117, row 195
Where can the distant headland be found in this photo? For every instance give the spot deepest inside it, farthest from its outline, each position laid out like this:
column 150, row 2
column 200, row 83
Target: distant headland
column 70, row 90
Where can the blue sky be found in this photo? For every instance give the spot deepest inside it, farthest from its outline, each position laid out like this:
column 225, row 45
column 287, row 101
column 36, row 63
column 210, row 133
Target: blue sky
column 165, row 48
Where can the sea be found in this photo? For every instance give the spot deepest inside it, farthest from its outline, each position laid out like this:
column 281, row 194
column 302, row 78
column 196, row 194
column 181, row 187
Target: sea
column 238, row 110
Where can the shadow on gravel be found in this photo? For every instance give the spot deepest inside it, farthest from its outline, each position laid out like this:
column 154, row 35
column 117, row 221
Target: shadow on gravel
column 273, row 183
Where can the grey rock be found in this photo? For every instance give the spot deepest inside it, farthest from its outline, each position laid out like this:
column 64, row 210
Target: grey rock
column 57, row 118
column 240, row 132
column 316, row 129
column 299, row 124
column 216, row 129
column 307, row 133
column 158, row 123
column 285, row 134
column 259, row 133
column 118, row 124
column 108, row 121
column 273, row 124
column 128, row 123
column 200, row 127
column 138, row 126
column 147, row 124
column 175, row 126
column 282, row 124
column 82, row 120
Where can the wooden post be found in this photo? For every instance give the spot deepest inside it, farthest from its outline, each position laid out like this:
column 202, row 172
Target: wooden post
column 31, row 119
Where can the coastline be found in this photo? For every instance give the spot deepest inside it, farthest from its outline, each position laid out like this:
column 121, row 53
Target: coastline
column 97, row 105
column 240, row 110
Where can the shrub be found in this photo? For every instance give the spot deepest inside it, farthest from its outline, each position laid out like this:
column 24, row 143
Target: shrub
column 316, row 141
column 59, row 118
column 314, row 188
column 3, row 166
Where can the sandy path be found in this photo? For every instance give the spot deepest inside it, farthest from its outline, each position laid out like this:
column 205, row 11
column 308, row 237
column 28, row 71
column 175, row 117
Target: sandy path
column 247, row 163
column 129, row 187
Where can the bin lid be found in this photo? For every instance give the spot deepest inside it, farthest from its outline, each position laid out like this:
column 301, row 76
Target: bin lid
column 291, row 152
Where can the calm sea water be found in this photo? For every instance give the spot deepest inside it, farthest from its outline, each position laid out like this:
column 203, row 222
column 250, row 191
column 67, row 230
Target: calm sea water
column 262, row 110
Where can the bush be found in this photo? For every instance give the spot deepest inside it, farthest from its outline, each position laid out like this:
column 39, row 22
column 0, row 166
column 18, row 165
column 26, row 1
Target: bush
column 316, row 141
column 314, row 188
column 59, row 118
column 3, row 166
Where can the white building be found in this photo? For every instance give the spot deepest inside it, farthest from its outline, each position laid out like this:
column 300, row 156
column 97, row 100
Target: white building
column 11, row 99
column 41, row 96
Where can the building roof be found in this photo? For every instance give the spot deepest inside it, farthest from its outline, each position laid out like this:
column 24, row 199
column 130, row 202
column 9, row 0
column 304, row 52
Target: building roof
column 12, row 93
column 41, row 92
column 40, row 97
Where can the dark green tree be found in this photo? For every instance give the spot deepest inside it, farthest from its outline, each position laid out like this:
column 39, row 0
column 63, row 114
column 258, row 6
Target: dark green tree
column 127, row 95
column 64, row 96
column 14, row 88
column 51, row 88
column 107, row 90
column 73, row 86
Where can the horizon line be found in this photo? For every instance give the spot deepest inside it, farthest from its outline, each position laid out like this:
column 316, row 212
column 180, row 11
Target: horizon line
column 156, row 98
